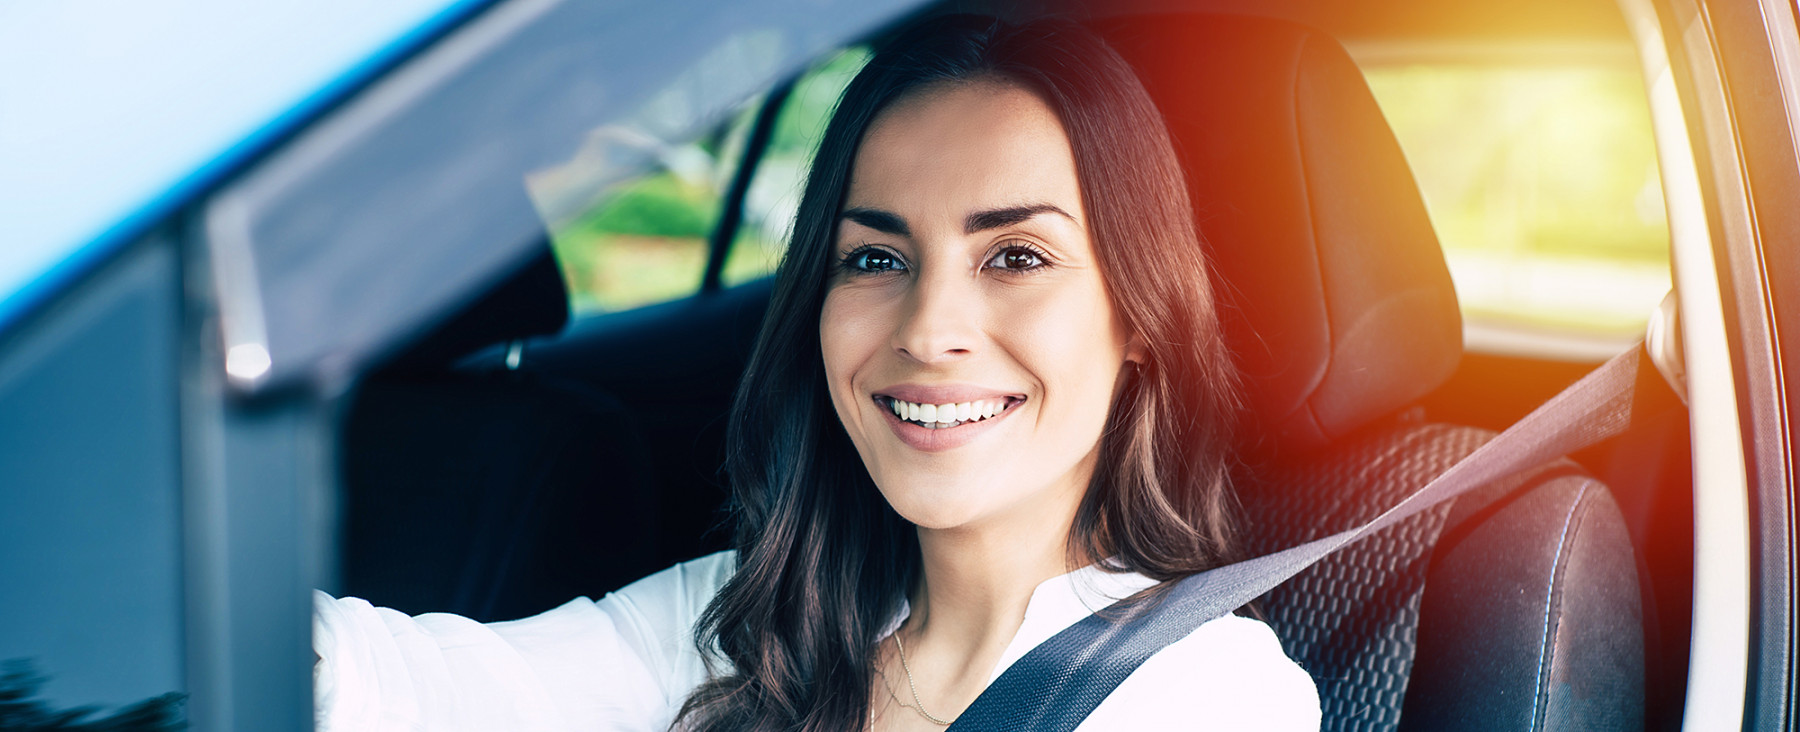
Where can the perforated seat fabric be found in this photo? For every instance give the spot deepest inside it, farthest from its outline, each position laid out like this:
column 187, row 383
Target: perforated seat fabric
column 1350, row 620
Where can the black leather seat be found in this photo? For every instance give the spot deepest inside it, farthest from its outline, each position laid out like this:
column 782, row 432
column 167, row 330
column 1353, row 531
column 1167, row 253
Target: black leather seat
column 1514, row 608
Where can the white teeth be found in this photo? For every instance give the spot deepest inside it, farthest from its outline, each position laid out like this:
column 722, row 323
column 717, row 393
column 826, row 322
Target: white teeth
column 939, row 416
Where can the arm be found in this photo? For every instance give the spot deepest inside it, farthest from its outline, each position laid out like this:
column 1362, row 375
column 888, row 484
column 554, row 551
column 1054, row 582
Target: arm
column 623, row 663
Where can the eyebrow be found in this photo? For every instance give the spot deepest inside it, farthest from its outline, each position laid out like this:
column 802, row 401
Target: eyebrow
column 1002, row 217
column 879, row 220
column 994, row 218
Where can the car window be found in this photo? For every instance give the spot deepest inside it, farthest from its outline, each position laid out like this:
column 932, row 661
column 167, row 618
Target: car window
column 643, row 240
column 91, row 536
column 1540, row 177
column 774, row 194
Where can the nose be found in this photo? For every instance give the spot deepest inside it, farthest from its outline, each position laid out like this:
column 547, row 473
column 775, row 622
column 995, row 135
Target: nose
column 940, row 322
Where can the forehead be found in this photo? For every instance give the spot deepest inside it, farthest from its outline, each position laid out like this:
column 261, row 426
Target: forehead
column 951, row 147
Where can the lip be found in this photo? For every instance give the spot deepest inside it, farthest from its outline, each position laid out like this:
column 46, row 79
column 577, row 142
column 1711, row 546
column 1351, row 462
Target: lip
column 949, row 438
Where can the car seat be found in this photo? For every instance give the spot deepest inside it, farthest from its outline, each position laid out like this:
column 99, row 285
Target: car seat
column 1514, row 608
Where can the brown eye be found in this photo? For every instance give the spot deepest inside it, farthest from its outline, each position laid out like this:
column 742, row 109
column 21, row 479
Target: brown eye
column 1017, row 258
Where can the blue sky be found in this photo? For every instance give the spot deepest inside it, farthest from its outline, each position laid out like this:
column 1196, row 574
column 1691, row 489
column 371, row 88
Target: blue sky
column 106, row 106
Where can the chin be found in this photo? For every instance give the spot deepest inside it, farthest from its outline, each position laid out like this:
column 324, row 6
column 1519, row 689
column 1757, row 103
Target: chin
column 931, row 507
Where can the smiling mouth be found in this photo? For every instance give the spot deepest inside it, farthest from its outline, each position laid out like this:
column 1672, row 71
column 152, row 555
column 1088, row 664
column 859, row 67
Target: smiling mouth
column 945, row 416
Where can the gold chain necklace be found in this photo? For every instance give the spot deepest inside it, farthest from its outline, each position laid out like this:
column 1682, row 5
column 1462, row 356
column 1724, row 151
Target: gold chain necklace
column 919, row 706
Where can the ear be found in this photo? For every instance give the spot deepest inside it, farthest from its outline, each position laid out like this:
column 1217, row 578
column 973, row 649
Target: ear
column 1135, row 352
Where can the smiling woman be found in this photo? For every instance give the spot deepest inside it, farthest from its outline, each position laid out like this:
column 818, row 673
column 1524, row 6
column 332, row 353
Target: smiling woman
column 996, row 218
column 990, row 397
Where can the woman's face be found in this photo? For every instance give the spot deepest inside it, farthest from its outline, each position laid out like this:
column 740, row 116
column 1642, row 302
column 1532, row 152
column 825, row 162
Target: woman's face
column 965, row 277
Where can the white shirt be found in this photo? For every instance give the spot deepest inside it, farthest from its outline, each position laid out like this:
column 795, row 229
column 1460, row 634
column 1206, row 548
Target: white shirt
column 628, row 662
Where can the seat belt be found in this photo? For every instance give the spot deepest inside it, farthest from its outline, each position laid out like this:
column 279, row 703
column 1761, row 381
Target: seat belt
column 1057, row 684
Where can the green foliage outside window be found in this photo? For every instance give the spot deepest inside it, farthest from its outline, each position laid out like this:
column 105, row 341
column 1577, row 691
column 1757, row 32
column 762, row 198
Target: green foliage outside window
column 775, row 193
column 645, row 245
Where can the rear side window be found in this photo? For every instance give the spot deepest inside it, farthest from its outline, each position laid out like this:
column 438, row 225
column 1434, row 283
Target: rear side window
column 625, row 244
column 1541, row 180
column 643, row 240
column 774, row 195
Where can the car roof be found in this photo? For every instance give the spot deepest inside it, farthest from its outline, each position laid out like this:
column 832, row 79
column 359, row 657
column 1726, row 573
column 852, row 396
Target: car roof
column 116, row 113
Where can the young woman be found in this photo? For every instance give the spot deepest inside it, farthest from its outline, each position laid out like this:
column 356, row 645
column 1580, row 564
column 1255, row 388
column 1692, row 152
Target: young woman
column 989, row 398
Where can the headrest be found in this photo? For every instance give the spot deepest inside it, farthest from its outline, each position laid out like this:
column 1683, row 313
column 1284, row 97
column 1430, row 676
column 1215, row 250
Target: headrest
column 1333, row 290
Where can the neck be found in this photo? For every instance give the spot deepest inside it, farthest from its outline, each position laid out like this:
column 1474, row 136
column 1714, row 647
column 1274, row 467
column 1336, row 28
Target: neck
column 978, row 580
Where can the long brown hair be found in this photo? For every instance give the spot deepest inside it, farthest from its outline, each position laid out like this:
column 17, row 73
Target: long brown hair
column 823, row 562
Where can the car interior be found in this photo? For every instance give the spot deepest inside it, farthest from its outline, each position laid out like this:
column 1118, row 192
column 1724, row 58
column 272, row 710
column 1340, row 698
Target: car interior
column 518, row 455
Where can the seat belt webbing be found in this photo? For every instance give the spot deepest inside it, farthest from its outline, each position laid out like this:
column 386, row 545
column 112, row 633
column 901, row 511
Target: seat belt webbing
column 1057, row 684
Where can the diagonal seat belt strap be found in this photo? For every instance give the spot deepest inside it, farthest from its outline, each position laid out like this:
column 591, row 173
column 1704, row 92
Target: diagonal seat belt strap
column 1056, row 685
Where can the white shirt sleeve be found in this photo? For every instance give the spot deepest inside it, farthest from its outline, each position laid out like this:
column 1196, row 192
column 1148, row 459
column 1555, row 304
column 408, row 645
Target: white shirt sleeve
column 624, row 663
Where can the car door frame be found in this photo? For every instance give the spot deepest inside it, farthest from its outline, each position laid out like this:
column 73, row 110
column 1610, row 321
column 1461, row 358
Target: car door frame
column 1721, row 76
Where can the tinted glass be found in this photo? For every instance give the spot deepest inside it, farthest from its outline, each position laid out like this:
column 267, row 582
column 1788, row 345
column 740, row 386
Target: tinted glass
column 90, row 536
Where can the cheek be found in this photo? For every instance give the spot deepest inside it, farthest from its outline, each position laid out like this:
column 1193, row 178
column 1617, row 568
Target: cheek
column 1069, row 342
column 850, row 330
column 1069, row 335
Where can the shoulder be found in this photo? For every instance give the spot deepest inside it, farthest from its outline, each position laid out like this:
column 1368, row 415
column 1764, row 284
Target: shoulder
column 658, row 614
column 1231, row 673
column 679, row 591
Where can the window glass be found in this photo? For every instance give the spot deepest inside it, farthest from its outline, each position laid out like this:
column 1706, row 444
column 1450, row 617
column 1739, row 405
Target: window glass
column 91, row 593
column 642, row 240
column 774, row 195
column 1542, row 184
